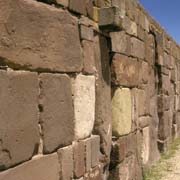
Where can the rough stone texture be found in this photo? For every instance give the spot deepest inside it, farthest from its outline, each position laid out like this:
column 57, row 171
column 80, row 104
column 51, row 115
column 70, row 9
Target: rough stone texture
column 121, row 112
column 88, row 154
column 103, row 125
column 95, row 153
column 87, row 33
column 36, row 35
column 120, row 42
column 125, row 71
column 57, row 116
column 42, row 168
column 146, row 144
column 137, row 48
column 88, row 57
column 79, row 158
column 19, row 136
column 66, row 162
column 84, row 105
column 78, row 6
column 109, row 17
column 64, row 3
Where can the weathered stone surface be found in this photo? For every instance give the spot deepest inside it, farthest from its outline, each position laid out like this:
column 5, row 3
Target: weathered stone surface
column 88, row 154
column 103, row 125
column 57, row 116
column 129, row 26
column 145, row 145
column 137, row 48
column 120, row 42
column 64, row 3
column 19, row 135
column 109, row 18
column 95, row 174
column 87, row 33
column 84, row 105
column 66, row 162
column 121, row 112
column 78, row 6
column 121, row 6
column 128, row 169
column 95, row 152
column 79, row 158
column 125, row 71
column 42, row 168
column 36, row 34
column 88, row 57
column 164, row 125
column 144, row 121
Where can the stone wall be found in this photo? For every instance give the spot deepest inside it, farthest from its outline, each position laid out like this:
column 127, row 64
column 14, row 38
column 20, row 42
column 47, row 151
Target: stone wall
column 89, row 90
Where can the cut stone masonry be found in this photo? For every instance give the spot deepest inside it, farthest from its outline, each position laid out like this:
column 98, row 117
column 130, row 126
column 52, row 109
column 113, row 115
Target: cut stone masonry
column 89, row 90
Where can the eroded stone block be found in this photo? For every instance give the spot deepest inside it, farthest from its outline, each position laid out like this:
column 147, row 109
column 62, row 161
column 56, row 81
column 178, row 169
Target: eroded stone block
column 42, row 168
column 57, row 114
column 109, row 18
column 19, row 134
column 66, row 162
column 36, row 34
column 84, row 105
column 121, row 112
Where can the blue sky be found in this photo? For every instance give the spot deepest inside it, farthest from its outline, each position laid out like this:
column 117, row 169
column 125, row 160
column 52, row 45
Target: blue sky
column 167, row 13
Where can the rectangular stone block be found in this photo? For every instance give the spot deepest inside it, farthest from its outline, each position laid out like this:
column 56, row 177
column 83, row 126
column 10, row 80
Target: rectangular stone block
column 37, row 37
column 87, row 33
column 121, row 112
column 164, row 125
column 88, row 154
column 19, row 133
column 103, row 115
column 95, row 150
column 129, row 26
column 145, row 145
column 64, row 3
column 42, row 168
column 120, row 42
column 88, row 57
column 109, row 18
column 78, row 6
column 137, row 48
column 125, row 71
column 57, row 114
column 79, row 158
column 66, row 162
column 84, row 105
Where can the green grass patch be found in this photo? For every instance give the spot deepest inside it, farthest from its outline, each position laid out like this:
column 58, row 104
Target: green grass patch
column 163, row 165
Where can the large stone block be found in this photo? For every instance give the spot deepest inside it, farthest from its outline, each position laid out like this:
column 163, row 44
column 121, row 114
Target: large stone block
column 103, row 113
column 120, row 42
column 121, row 112
column 66, row 162
column 125, row 71
column 36, row 34
column 78, row 6
column 84, row 105
column 88, row 57
column 137, row 48
column 19, row 134
column 57, row 116
column 42, row 168
column 109, row 18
